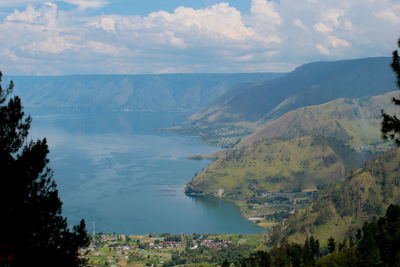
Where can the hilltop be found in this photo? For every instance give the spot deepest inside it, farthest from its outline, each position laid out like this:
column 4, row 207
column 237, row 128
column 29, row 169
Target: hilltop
column 355, row 122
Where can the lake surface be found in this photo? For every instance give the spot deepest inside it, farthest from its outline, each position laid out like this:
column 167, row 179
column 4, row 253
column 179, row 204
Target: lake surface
column 117, row 170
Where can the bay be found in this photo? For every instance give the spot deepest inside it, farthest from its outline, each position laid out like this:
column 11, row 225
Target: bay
column 117, row 170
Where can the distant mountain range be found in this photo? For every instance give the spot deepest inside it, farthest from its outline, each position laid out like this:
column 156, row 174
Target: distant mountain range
column 309, row 84
column 162, row 92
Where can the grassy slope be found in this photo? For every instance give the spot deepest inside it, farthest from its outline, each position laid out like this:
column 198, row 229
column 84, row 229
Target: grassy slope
column 296, row 164
column 365, row 194
column 354, row 121
column 283, row 155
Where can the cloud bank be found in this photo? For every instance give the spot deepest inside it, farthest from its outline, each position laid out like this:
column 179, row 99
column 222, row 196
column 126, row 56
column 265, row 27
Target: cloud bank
column 43, row 39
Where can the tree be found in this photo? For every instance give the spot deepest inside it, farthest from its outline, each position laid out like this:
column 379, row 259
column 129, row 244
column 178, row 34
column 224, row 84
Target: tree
column 331, row 245
column 390, row 127
column 32, row 230
column 225, row 263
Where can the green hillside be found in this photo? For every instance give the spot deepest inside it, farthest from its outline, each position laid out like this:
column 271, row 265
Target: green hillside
column 353, row 121
column 366, row 193
column 303, row 149
column 270, row 166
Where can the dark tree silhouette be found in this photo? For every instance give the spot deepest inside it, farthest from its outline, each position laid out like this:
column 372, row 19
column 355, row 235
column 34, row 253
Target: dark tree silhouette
column 331, row 244
column 32, row 230
column 391, row 124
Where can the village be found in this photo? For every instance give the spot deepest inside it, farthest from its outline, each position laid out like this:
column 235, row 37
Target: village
column 166, row 249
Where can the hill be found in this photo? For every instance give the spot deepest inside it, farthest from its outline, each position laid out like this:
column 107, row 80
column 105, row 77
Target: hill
column 272, row 166
column 363, row 195
column 300, row 150
column 355, row 122
column 162, row 92
column 310, row 84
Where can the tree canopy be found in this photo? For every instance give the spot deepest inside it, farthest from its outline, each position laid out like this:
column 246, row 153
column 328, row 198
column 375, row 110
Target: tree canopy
column 33, row 231
column 391, row 123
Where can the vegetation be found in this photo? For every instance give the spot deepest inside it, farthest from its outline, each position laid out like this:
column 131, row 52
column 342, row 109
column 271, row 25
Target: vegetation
column 224, row 135
column 273, row 166
column 375, row 244
column 172, row 250
column 364, row 194
column 391, row 124
column 284, row 157
column 32, row 230
column 355, row 122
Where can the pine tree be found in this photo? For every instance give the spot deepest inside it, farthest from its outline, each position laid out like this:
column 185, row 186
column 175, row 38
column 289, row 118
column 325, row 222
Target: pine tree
column 32, row 230
column 391, row 124
column 331, row 245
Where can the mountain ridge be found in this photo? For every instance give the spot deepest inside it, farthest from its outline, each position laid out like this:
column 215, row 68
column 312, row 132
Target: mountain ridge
column 310, row 84
column 185, row 93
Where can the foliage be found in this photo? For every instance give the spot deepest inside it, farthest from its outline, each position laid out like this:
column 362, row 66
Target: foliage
column 208, row 255
column 331, row 245
column 32, row 230
column 377, row 243
column 391, row 124
column 286, row 254
column 364, row 194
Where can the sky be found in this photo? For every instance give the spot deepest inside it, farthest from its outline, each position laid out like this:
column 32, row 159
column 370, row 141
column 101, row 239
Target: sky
column 190, row 36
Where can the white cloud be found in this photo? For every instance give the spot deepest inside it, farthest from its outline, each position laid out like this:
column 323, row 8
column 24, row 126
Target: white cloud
column 390, row 15
column 323, row 28
column 220, row 21
column 265, row 20
column 103, row 48
column 105, row 23
column 53, row 45
column 29, row 15
column 322, row 49
column 298, row 23
column 272, row 35
column 335, row 42
column 8, row 54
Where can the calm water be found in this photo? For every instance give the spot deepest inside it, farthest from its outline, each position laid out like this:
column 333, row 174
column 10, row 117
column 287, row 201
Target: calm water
column 116, row 170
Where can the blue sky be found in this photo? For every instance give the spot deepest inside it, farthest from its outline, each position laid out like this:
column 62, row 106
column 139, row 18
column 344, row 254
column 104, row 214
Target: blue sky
column 168, row 36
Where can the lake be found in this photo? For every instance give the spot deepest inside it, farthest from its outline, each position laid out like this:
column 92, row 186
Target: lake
column 117, row 170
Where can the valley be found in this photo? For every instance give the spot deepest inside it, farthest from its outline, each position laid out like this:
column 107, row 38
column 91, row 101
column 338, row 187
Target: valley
column 199, row 133
column 305, row 132
column 285, row 170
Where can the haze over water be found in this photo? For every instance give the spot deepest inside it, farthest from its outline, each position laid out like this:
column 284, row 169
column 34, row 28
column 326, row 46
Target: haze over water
column 116, row 169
